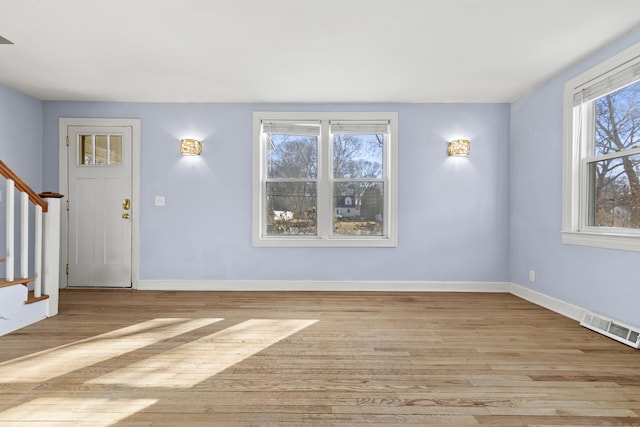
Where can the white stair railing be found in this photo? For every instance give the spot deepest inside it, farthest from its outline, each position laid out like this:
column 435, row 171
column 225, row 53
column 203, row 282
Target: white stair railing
column 24, row 235
column 37, row 259
column 10, row 221
column 46, row 250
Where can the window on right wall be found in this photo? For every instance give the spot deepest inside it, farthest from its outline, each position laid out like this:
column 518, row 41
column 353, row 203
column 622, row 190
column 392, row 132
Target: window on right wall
column 601, row 182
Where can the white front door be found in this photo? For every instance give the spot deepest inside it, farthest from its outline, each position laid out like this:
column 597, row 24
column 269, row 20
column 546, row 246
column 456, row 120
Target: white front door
column 100, row 207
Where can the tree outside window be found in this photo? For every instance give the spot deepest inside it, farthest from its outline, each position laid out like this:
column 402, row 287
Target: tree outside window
column 615, row 192
column 601, row 158
column 325, row 179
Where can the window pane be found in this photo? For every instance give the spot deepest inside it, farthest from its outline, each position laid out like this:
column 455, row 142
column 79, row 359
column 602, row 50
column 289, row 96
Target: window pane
column 358, row 208
column 115, row 150
column 614, row 192
column 101, row 150
column 85, row 149
column 291, row 208
column 357, row 156
column 618, row 120
column 292, row 156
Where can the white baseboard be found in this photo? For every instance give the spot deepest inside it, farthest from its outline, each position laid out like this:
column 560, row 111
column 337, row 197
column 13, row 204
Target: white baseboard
column 324, row 286
column 564, row 308
column 561, row 307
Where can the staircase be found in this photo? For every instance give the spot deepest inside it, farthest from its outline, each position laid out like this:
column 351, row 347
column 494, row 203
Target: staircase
column 18, row 306
column 29, row 298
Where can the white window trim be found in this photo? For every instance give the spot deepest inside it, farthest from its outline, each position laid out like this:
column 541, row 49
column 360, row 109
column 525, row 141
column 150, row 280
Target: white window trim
column 573, row 194
column 324, row 207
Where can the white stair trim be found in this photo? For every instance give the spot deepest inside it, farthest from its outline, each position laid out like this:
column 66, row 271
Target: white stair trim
column 14, row 313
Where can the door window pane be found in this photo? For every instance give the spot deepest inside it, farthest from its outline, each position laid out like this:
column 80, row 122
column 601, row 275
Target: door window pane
column 85, row 150
column 115, row 150
column 101, row 150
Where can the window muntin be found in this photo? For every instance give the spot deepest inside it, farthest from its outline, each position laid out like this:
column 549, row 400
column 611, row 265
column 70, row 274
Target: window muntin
column 325, row 179
column 602, row 155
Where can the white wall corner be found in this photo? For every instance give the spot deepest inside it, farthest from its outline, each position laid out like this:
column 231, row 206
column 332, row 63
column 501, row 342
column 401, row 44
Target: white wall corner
column 561, row 307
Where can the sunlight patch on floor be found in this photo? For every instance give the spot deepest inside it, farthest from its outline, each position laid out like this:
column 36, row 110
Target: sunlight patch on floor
column 194, row 362
column 95, row 412
column 58, row 361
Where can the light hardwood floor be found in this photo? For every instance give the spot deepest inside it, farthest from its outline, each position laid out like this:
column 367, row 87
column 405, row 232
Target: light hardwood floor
column 127, row 358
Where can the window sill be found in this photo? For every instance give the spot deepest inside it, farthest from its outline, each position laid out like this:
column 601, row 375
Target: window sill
column 625, row 242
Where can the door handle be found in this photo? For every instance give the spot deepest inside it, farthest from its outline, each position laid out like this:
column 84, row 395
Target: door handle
column 125, row 216
column 126, row 204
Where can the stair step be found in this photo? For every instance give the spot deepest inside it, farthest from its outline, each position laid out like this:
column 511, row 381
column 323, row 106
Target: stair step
column 31, row 298
column 3, row 282
column 30, row 294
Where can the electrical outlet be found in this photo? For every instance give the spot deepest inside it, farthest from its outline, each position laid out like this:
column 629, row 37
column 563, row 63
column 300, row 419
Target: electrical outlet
column 159, row 201
column 532, row 275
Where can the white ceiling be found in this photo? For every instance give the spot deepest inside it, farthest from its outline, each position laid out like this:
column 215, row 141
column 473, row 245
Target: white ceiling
column 299, row 50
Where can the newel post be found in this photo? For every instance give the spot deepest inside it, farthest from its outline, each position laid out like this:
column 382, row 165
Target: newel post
column 51, row 251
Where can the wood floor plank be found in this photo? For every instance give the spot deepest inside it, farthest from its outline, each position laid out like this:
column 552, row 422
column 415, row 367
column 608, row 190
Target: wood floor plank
column 128, row 358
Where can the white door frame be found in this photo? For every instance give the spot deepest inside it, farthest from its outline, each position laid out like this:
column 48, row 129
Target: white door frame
column 63, row 185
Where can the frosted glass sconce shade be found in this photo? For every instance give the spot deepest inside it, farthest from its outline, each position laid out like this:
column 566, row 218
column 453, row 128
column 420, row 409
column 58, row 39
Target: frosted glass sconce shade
column 190, row 147
column 459, row 147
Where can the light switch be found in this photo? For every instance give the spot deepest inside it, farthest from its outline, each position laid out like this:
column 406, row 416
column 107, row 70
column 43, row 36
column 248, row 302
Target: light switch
column 159, row 201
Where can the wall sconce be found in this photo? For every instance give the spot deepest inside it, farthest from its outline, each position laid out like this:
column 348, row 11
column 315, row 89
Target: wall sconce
column 190, row 147
column 459, row 147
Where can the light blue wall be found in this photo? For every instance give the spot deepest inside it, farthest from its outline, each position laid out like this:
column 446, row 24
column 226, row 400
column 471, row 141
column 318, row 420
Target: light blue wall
column 602, row 280
column 453, row 212
column 21, row 135
column 20, row 149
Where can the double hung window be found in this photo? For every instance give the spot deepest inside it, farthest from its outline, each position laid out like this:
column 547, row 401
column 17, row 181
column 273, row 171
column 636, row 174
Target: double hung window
column 602, row 155
column 325, row 179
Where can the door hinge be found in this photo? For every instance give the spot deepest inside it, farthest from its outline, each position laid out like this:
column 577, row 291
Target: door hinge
column 67, row 140
column 67, row 205
column 67, row 269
